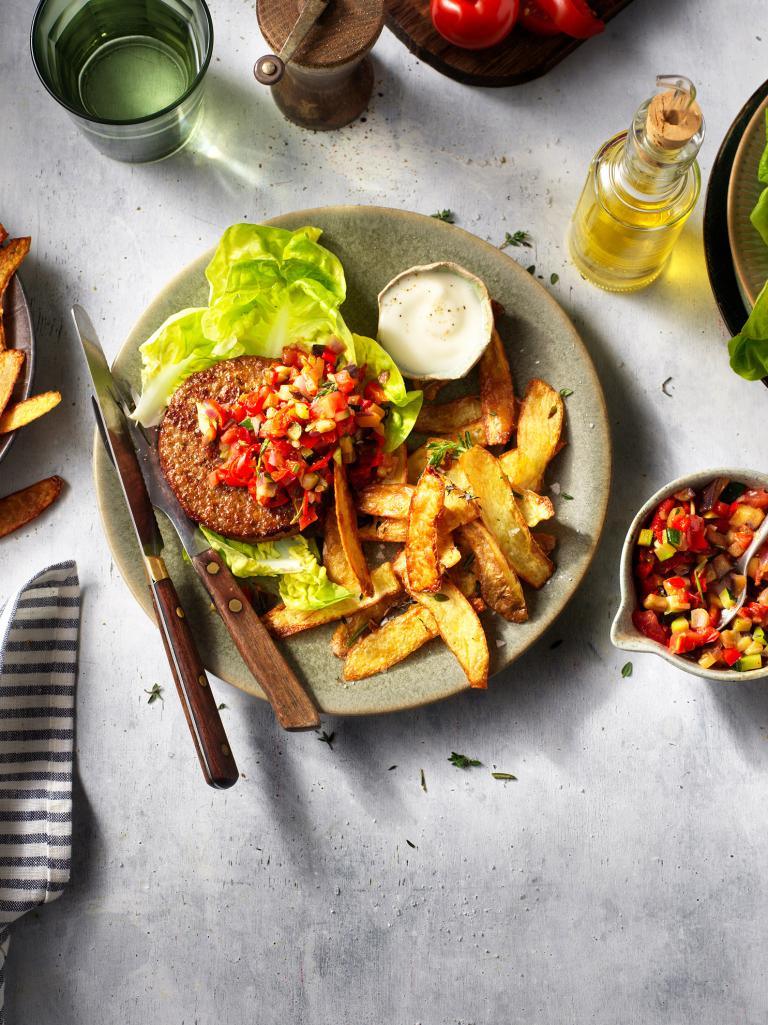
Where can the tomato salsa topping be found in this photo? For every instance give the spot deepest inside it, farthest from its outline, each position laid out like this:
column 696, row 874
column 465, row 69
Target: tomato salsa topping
column 280, row 441
column 685, row 574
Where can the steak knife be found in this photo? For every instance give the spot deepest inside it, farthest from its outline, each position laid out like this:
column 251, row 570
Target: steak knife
column 192, row 684
column 293, row 707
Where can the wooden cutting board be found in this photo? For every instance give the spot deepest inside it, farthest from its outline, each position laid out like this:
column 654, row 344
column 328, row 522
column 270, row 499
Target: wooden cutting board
column 519, row 58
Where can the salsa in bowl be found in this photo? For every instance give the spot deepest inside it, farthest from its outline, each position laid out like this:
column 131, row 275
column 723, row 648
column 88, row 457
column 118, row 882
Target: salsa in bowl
column 679, row 573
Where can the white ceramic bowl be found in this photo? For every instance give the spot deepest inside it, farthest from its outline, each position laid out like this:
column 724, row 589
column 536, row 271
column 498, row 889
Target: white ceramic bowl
column 624, row 634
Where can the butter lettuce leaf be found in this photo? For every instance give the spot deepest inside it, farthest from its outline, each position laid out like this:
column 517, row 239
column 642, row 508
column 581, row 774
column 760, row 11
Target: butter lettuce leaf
column 302, row 583
column 405, row 405
column 271, row 287
column 177, row 349
column 759, row 216
column 749, row 348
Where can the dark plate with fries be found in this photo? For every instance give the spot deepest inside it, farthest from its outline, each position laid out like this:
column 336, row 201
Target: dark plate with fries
column 562, row 407
column 18, row 336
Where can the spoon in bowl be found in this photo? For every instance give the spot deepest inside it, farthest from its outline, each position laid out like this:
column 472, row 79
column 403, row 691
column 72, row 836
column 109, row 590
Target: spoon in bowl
column 740, row 568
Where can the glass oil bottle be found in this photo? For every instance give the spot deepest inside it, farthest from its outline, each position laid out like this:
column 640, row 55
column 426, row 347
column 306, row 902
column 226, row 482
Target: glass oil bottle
column 641, row 188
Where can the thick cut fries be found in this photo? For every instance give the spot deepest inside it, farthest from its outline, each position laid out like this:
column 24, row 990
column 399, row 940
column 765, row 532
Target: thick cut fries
column 535, row 508
column 351, row 629
column 497, row 396
column 26, row 505
column 11, row 257
column 334, row 559
column 499, row 585
column 449, row 416
column 546, row 542
column 538, row 436
column 391, row 643
column 283, row 622
column 11, row 362
column 21, row 413
column 500, row 513
column 385, row 529
column 460, row 628
column 346, row 519
column 421, row 554
column 390, row 500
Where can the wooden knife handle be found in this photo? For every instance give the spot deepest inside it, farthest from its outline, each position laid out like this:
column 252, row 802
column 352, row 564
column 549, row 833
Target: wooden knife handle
column 291, row 703
column 197, row 700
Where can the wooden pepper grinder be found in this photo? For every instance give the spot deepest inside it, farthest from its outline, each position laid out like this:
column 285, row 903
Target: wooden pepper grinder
column 327, row 81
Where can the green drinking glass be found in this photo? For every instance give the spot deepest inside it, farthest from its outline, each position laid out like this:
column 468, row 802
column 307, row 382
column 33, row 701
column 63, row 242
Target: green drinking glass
column 129, row 72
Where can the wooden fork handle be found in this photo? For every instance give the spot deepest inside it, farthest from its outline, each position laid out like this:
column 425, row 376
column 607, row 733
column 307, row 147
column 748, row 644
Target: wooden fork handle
column 291, row 703
column 197, row 700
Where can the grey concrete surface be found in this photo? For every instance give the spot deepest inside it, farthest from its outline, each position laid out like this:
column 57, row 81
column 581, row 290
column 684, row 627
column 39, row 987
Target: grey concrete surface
column 621, row 880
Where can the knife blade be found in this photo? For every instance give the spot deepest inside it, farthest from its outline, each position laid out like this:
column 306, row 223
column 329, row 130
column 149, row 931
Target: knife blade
column 292, row 705
column 192, row 684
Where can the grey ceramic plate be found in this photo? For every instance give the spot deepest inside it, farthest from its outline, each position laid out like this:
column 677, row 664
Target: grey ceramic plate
column 374, row 244
column 750, row 253
column 17, row 323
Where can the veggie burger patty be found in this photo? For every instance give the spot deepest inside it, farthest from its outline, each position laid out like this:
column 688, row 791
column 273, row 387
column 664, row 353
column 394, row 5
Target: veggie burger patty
column 187, row 460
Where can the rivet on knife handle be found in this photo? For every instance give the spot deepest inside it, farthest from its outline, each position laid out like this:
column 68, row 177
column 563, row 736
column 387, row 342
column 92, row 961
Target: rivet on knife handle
column 197, row 699
column 292, row 705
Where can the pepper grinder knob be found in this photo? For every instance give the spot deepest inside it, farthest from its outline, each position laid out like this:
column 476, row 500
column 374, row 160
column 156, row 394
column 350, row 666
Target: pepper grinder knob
column 269, row 69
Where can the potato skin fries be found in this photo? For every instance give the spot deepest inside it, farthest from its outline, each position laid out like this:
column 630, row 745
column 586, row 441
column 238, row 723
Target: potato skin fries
column 497, row 395
column 499, row 584
column 11, row 363
column 21, row 413
column 460, row 628
column 538, row 436
column 421, row 553
column 502, row 517
column 346, row 520
column 391, row 643
column 445, row 417
column 26, row 505
column 334, row 558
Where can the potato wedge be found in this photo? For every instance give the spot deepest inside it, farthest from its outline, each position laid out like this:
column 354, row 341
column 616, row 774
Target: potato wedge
column 3, row 234
column 385, row 529
column 334, row 558
column 355, row 626
column 497, row 394
column 283, row 622
column 448, row 555
column 535, row 508
column 346, row 519
column 393, row 642
column 501, row 515
column 11, row 257
column 21, row 413
column 460, row 628
column 389, row 500
column 394, row 469
column 421, row 555
column 447, row 417
column 26, row 505
column 538, row 436
column 499, row 584
column 11, row 362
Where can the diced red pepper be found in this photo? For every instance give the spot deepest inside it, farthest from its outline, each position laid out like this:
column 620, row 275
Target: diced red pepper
column 647, row 622
column 731, row 655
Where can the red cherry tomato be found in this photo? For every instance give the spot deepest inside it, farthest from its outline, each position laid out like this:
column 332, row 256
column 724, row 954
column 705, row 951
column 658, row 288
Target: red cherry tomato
column 474, row 24
column 535, row 20
column 574, row 17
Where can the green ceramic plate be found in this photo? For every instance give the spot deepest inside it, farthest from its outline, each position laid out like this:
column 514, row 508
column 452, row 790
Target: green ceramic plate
column 750, row 253
column 374, row 244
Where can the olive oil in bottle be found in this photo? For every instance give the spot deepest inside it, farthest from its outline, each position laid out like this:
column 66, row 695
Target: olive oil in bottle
column 641, row 188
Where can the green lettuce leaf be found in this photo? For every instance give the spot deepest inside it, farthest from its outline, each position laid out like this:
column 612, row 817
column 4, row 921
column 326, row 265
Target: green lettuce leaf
column 759, row 216
column 303, row 583
column 177, row 349
column 405, row 405
column 749, row 348
column 271, row 287
column 762, row 171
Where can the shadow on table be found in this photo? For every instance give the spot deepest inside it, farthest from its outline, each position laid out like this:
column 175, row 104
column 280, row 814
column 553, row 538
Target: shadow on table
column 31, row 936
column 744, row 709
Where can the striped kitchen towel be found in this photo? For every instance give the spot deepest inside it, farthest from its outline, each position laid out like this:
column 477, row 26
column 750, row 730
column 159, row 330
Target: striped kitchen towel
column 38, row 668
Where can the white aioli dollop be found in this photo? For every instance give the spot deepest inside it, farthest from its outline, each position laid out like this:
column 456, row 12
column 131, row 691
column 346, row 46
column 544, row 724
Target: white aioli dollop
column 435, row 321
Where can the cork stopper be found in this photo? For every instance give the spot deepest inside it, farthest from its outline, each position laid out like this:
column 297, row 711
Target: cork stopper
column 674, row 117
